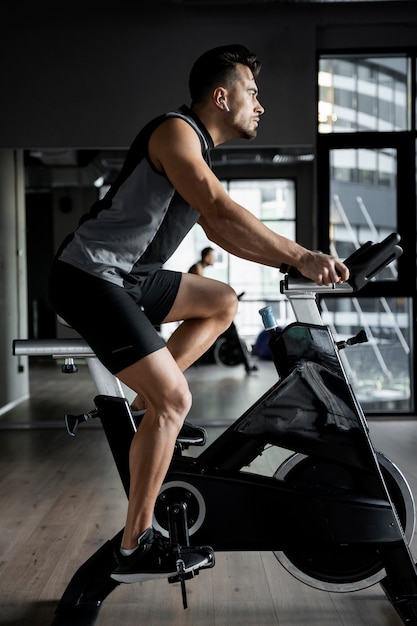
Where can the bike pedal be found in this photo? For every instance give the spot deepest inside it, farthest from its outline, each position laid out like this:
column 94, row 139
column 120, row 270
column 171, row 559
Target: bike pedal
column 179, row 577
column 182, row 576
column 210, row 564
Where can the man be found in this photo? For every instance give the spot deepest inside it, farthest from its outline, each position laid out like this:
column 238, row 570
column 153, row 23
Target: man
column 108, row 284
column 207, row 259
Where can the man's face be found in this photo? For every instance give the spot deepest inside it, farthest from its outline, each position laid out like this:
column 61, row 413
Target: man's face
column 245, row 109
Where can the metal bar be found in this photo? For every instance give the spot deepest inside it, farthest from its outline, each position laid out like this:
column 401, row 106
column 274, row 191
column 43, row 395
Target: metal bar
column 107, row 384
column 57, row 348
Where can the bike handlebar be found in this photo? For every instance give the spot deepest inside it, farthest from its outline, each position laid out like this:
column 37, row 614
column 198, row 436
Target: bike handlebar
column 365, row 263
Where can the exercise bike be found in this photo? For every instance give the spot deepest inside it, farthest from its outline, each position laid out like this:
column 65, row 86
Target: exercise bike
column 338, row 514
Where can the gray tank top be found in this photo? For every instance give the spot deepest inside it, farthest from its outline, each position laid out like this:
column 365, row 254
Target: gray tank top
column 141, row 221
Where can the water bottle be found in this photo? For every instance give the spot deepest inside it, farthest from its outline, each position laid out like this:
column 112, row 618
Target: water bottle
column 268, row 318
column 271, row 326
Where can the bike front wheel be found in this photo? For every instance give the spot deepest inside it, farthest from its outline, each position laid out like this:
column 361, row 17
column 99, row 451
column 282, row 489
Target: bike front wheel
column 345, row 568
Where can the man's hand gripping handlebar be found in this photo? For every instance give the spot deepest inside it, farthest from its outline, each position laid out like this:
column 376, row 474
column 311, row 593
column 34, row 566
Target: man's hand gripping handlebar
column 363, row 264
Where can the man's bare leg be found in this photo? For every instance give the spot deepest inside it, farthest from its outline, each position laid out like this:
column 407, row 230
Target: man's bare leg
column 207, row 310
column 168, row 401
column 143, row 555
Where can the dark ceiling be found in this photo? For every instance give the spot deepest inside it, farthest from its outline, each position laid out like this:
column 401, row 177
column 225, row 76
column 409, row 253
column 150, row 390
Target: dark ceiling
column 46, row 168
column 240, row 2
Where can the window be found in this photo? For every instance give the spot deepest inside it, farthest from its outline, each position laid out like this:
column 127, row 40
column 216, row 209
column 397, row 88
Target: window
column 363, row 93
column 364, row 102
column 273, row 202
column 363, row 198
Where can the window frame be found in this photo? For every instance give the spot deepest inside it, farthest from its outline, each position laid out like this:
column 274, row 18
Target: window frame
column 405, row 144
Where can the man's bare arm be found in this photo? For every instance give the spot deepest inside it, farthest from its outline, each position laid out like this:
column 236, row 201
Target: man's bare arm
column 175, row 149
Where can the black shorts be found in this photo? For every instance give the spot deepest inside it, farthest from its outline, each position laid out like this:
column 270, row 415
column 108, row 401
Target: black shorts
column 118, row 323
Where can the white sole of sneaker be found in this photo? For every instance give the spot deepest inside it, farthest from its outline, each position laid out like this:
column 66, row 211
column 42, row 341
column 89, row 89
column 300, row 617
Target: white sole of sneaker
column 142, row 577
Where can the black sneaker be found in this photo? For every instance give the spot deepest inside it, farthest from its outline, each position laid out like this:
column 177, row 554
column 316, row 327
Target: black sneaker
column 192, row 435
column 189, row 435
column 157, row 558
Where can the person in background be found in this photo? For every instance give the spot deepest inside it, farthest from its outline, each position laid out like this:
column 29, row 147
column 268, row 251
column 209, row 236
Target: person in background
column 109, row 283
column 208, row 257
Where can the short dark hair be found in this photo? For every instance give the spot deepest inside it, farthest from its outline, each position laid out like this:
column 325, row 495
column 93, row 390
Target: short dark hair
column 217, row 66
column 205, row 252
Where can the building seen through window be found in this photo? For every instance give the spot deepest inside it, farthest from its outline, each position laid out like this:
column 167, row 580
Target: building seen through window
column 362, row 93
column 368, row 94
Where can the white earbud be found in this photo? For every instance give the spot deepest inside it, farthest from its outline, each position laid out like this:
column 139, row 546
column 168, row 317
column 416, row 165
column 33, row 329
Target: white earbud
column 223, row 101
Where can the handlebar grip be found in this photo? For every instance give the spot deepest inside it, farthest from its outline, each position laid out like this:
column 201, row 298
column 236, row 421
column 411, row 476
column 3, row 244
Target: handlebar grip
column 371, row 258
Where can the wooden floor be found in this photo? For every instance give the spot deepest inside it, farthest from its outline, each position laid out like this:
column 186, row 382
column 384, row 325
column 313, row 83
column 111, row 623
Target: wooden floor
column 61, row 498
